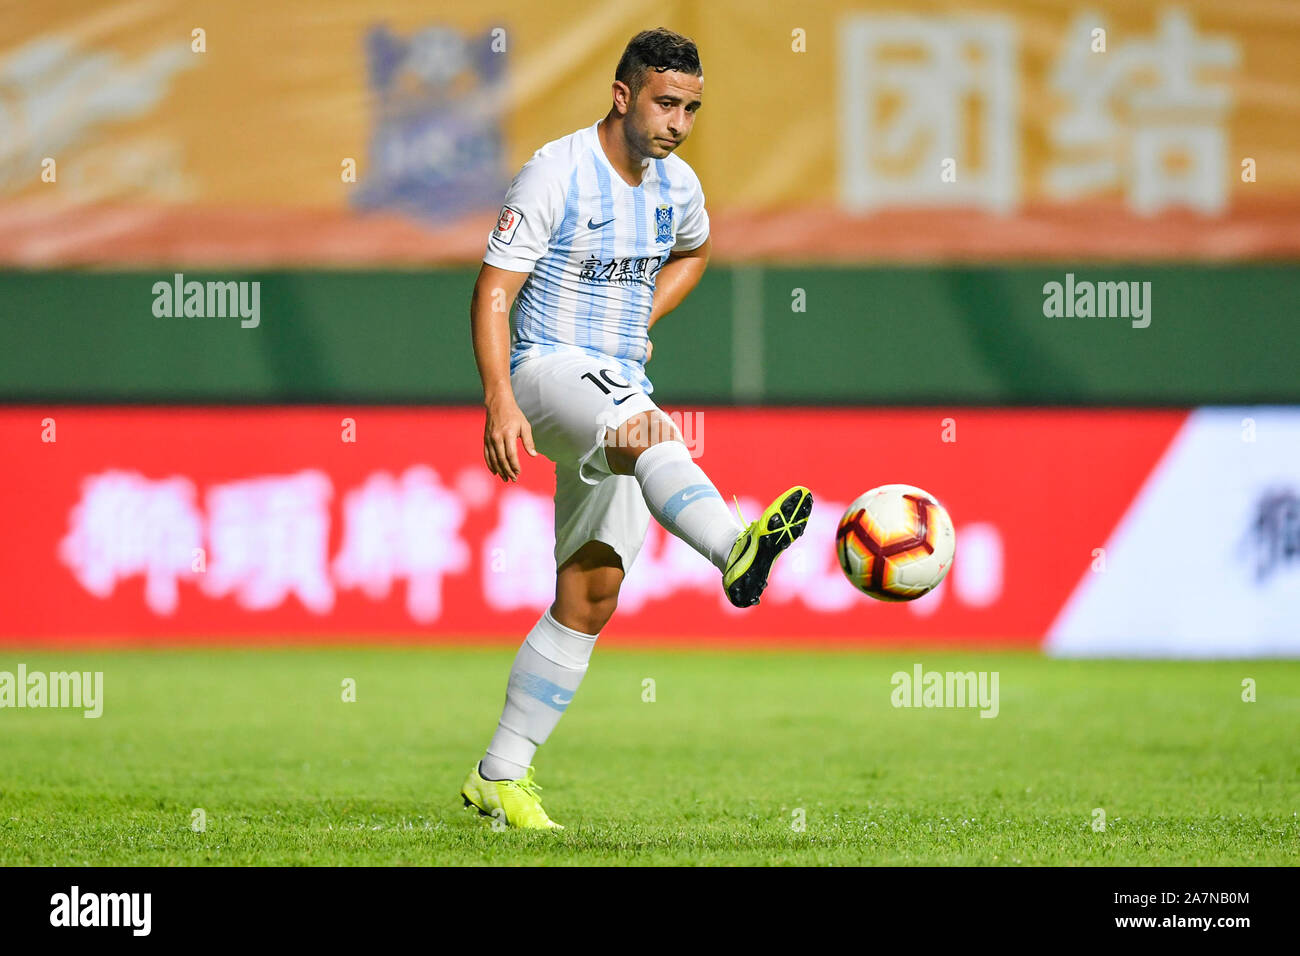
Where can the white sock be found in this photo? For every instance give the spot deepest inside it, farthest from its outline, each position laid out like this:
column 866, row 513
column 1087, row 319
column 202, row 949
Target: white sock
column 547, row 671
column 684, row 501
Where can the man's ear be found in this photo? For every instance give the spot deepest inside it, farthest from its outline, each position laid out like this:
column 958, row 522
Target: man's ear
column 622, row 95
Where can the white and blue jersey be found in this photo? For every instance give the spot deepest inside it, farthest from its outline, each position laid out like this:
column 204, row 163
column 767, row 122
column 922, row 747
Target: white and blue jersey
column 593, row 246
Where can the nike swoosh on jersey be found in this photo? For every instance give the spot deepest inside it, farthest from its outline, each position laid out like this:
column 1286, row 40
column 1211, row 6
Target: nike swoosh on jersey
column 591, row 224
column 620, row 401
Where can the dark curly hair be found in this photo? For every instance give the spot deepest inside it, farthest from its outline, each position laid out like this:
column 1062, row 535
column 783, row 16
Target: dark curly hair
column 660, row 50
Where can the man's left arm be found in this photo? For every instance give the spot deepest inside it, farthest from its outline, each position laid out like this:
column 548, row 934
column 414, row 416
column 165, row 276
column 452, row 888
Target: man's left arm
column 676, row 278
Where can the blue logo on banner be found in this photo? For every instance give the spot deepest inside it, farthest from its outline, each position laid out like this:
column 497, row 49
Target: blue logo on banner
column 436, row 144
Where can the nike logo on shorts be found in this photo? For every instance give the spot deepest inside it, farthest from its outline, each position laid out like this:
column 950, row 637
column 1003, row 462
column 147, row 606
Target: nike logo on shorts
column 620, row 401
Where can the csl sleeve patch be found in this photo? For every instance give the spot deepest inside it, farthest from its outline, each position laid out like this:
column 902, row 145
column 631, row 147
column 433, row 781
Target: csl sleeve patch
column 507, row 223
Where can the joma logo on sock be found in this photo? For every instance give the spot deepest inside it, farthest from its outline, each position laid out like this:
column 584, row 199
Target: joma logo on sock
column 1102, row 300
column 923, row 688
column 103, row 909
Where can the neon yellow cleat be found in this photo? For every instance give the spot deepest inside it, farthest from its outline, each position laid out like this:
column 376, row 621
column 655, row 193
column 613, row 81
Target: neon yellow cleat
column 752, row 555
column 515, row 802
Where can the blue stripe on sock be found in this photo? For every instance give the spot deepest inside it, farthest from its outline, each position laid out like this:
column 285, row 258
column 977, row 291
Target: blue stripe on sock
column 552, row 695
column 673, row 507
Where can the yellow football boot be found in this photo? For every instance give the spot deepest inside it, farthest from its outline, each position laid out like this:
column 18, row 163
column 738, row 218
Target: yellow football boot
column 514, row 802
column 752, row 555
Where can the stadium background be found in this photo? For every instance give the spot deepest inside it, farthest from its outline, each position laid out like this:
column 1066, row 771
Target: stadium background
column 1117, row 489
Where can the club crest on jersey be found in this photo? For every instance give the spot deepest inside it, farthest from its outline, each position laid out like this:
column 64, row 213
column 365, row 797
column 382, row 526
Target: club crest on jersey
column 507, row 223
column 663, row 223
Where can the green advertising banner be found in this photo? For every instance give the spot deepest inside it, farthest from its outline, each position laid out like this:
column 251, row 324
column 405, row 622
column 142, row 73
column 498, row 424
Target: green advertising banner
column 1098, row 335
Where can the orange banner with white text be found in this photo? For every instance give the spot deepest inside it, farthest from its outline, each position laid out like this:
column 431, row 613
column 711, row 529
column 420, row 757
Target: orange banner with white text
column 332, row 133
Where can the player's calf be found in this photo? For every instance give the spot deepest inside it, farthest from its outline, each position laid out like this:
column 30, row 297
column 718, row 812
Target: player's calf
column 683, row 499
column 685, row 502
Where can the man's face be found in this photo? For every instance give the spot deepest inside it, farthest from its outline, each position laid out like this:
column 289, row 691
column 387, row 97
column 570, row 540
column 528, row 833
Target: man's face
column 664, row 111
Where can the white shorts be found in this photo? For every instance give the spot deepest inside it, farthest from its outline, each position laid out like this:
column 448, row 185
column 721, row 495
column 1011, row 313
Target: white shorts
column 569, row 399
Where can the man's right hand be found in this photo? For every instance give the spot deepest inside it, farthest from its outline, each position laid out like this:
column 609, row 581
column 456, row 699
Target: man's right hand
column 505, row 425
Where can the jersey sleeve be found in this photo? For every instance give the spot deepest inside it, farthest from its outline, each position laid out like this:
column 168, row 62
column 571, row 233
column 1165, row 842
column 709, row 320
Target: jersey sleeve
column 694, row 228
column 532, row 209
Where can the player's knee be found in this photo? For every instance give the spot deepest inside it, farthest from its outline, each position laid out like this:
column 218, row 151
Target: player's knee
column 600, row 616
column 624, row 446
column 599, row 605
column 589, row 615
column 587, row 588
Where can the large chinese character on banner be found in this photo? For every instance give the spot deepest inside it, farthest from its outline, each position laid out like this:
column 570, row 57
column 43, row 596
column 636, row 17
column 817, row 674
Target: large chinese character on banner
column 1141, row 116
column 924, row 96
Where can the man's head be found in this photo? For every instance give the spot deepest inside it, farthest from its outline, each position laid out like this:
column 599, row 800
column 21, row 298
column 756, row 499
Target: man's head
column 657, row 90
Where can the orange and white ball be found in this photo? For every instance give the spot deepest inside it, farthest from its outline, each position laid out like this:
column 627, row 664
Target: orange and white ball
column 895, row 543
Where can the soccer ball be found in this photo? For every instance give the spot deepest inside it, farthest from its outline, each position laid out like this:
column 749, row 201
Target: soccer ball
column 895, row 543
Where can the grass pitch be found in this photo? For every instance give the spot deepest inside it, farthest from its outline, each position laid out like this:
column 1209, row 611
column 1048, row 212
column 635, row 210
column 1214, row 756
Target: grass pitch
column 734, row 750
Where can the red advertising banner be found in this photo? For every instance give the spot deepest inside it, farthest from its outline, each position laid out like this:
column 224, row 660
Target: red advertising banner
column 265, row 525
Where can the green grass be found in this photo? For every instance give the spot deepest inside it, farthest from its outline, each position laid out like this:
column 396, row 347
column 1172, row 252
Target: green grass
column 711, row 772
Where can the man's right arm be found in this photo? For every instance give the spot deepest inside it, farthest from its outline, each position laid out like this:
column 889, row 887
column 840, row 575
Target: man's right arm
column 521, row 238
column 489, row 310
